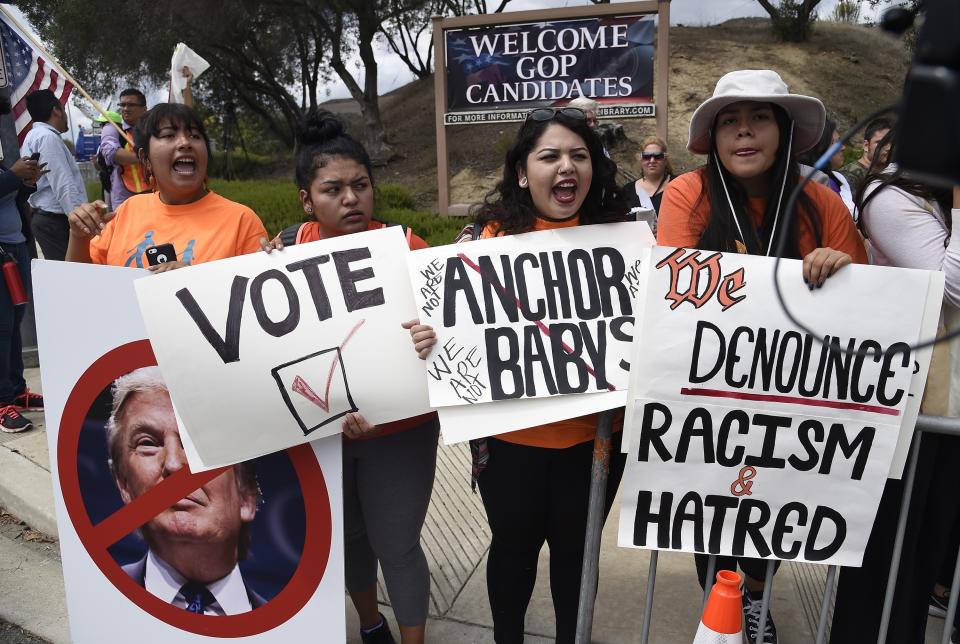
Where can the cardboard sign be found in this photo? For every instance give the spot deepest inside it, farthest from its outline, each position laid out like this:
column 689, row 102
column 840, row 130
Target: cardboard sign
column 263, row 539
column 264, row 352
column 530, row 316
column 749, row 437
column 497, row 73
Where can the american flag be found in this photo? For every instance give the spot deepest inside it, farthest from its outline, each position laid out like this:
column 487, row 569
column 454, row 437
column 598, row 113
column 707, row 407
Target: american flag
column 28, row 71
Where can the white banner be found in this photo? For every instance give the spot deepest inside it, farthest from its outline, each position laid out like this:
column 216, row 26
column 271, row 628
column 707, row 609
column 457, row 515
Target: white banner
column 750, row 437
column 261, row 541
column 523, row 318
column 263, row 352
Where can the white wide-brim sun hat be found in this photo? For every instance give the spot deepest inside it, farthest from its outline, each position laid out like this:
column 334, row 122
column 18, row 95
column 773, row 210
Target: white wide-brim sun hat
column 765, row 86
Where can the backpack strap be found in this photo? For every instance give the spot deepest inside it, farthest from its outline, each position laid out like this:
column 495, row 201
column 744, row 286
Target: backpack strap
column 406, row 230
column 289, row 234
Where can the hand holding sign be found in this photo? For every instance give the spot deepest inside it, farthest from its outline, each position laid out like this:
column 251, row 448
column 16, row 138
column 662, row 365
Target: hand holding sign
column 309, row 335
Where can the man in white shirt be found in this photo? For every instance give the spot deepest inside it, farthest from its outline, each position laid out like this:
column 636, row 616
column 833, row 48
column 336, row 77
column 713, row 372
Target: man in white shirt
column 61, row 189
column 195, row 544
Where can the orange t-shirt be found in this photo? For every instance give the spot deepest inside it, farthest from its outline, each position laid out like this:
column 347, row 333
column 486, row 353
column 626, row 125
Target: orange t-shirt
column 684, row 216
column 310, row 232
column 208, row 229
column 562, row 433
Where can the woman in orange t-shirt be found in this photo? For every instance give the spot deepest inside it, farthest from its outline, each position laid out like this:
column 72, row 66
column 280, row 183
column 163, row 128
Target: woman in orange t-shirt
column 535, row 482
column 752, row 130
column 388, row 470
column 200, row 225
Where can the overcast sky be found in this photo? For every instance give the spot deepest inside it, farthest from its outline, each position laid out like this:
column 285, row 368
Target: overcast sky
column 393, row 73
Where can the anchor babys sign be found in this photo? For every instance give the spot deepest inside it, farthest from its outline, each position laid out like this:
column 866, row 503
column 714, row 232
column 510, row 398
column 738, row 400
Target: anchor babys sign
column 538, row 316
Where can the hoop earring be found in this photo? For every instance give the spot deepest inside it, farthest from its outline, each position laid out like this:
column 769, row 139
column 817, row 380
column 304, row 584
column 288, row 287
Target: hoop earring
column 308, row 210
column 523, row 183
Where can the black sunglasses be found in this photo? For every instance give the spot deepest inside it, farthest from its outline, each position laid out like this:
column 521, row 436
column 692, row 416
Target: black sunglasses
column 647, row 156
column 541, row 114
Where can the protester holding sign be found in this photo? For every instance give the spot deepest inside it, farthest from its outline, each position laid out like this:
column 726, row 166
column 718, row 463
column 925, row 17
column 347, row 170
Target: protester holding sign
column 752, row 129
column 535, row 482
column 182, row 222
column 909, row 225
column 388, row 470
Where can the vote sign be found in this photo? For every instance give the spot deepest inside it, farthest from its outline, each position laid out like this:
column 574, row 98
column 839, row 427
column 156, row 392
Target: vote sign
column 263, row 352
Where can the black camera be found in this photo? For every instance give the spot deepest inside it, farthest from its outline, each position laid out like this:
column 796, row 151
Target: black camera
column 928, row 145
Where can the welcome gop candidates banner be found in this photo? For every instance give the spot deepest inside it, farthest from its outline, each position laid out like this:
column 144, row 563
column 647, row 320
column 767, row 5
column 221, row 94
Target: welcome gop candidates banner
column 498, row 73
column 749, row 437
column 522, row 321
column 135, row 523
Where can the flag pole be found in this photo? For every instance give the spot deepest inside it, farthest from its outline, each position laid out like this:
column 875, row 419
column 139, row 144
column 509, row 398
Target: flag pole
column 63, row 72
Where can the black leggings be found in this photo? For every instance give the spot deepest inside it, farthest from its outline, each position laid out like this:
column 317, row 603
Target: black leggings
column 532, row 495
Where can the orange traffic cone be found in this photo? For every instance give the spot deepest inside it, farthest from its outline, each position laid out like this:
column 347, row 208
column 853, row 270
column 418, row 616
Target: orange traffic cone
column 722, row 621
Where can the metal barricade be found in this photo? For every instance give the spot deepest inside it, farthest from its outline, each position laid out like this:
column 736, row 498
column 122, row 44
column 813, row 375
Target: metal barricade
column 925, row 425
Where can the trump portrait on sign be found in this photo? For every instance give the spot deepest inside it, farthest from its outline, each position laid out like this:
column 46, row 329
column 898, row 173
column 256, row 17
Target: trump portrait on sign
column 194, row 546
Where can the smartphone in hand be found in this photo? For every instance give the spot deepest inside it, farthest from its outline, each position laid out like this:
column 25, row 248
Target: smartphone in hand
column 161, row 254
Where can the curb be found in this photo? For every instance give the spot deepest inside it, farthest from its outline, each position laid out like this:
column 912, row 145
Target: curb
column 26, row 492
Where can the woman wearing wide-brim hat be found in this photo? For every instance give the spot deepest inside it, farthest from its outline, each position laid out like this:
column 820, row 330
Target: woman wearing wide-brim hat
column 751, row 130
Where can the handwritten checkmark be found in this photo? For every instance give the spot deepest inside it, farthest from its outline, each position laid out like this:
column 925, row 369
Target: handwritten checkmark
column 301, row 386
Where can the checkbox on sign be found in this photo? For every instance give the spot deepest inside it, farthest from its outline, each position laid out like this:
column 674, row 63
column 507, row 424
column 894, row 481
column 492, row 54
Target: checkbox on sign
column 315, row 389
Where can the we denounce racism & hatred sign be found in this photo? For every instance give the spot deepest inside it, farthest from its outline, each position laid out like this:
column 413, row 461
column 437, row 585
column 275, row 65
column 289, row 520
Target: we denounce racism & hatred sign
column 750, row 437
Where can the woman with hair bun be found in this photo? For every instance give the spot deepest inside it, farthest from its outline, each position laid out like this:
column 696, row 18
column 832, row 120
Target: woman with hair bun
column 388, row 470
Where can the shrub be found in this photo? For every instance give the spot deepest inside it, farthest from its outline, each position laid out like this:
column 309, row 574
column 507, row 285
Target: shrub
column 392, row 195
column 277, row 204
column 245, row 166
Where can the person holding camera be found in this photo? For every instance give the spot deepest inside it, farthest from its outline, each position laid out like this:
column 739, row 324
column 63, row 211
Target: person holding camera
column 181, row 221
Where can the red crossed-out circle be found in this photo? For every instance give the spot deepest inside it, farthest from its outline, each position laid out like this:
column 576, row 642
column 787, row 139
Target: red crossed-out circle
column 97, row 538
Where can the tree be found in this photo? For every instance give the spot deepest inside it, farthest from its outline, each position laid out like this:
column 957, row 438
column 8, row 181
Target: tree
column 792, row 19
column 403, row 32
column 262, row 55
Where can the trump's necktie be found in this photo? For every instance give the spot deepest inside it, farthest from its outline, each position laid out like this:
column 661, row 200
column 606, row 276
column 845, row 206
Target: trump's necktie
column 197, row 597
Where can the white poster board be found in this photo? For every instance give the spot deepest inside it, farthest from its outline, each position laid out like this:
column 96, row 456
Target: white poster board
column 748, row 437
column 90, row 333
column 523, row 319
column 264, row 352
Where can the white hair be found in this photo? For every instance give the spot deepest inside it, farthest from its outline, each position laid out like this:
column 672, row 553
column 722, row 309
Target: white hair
column 143, row 379
column 584, row 103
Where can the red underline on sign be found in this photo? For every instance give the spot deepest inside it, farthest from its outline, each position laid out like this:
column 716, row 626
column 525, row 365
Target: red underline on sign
column 540, row 325
column 793, row 400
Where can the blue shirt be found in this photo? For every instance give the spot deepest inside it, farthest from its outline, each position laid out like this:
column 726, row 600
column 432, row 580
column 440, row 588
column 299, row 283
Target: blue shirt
column 61, row 189
column 109, row 144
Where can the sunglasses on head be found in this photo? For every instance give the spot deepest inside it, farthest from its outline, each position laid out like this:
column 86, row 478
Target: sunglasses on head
column 649, row 156
column 547, row 113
